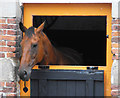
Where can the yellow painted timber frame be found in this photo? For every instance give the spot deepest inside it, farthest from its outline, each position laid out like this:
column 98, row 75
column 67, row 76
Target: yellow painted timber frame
column 73, row 9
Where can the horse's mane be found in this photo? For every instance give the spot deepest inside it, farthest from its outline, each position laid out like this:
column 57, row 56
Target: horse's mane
column 68, row 52
column 71, row 53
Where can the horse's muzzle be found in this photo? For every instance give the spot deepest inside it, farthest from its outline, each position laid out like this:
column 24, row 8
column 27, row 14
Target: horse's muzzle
column 24, row 74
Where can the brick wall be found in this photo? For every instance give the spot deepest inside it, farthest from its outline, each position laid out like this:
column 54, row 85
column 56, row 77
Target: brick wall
column 115, row 85
column 115, row 38
column 8, row 88
column 10, row 37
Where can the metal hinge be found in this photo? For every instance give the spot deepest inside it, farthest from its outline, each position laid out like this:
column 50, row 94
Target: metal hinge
column 107, row 36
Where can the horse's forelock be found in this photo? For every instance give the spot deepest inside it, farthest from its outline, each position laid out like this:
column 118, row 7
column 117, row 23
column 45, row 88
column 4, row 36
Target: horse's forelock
column 29, row 32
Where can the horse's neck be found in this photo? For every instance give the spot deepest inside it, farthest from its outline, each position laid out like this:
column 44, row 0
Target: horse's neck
column 50, row 52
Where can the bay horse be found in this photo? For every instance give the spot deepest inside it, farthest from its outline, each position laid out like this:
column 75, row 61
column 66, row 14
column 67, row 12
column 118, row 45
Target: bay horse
column 37, row 48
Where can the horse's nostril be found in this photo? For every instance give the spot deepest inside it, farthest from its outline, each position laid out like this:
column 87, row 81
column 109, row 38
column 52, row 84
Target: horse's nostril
column 25, row 72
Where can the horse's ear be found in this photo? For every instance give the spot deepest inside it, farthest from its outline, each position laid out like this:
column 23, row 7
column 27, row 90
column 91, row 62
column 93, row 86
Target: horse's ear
column 41, row 27
column 22, row 27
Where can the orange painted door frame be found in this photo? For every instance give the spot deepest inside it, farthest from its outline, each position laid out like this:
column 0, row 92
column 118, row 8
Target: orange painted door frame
column 74, row 9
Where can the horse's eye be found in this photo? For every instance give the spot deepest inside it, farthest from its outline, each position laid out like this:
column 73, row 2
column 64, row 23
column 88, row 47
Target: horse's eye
column 34, row 45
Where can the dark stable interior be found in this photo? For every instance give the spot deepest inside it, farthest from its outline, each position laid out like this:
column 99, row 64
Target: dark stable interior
column 85, row 34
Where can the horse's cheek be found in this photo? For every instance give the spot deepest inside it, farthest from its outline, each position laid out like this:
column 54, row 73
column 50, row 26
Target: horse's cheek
column 40, row 53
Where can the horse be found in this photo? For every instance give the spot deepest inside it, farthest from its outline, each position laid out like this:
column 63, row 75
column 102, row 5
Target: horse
column 37, row 48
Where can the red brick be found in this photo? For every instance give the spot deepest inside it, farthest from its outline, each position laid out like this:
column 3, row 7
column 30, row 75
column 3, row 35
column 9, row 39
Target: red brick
column 115, row 33
column 12, row 20
column 16, row 55
column 11, row 32
column 8, row 49
column 3, row 20
column 115, row 87
column 12, row 38
column 2, row 84
column 115, row 93
column 11, row 54
column 3, row 26
column 115, row 45
column 10, row 43
column 3, row 43
column 11, row 95
column 116, row 27
column 115, row 51
column 12, row 27
column 116, row 21
column 116, row 40
column 2, row 55
column 2, row 32
column 6, row 90
column 10, row 84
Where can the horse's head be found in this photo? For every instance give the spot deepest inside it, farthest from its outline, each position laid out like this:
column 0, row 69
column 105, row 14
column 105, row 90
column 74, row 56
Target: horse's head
column 30, row 45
